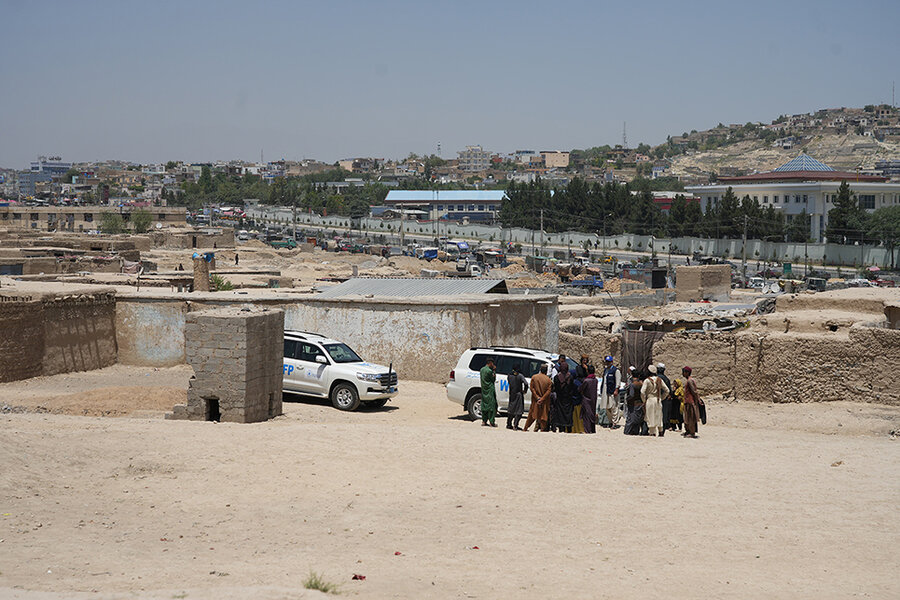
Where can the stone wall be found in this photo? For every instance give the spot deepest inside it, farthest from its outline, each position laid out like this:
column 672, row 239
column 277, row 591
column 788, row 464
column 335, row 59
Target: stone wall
column 49, row 334
column 705, row 282
column 236, row 354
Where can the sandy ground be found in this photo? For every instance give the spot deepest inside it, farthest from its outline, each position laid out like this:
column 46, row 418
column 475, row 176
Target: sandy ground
column 771, row 501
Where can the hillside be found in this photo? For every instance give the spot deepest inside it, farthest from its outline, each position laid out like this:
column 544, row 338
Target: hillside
column 845, row 138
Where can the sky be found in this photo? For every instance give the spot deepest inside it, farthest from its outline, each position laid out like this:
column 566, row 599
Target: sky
column 203, row 81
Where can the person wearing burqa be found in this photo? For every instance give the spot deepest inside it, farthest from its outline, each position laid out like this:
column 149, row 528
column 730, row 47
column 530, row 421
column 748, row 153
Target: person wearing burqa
column 588, row 393
column 668, row 400
column 518, row 385
column 561, row 400
column 691, row 404
column 488, row 394
column 653, row 390
column 634, row 406
column 541, row 390
column 577, row 426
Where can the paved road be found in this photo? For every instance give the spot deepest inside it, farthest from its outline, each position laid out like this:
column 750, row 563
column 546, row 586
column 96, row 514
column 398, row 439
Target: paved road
column 271, row 214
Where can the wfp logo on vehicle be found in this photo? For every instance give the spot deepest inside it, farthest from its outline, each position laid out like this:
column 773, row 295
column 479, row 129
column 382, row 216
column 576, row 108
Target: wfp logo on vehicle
column 288, row 369
column 504, row 385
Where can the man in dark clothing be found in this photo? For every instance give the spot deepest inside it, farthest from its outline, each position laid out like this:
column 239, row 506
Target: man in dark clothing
column 634, row 406
column 561, row 400
column 518, row 385
column 588, row 392
column 667, row 401
column 691, row 404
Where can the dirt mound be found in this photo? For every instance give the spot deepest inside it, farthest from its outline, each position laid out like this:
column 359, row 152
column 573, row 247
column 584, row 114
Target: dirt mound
column 119, row 401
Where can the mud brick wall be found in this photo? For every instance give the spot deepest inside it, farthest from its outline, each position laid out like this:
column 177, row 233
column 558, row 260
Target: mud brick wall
column 706, row 282
column 596, row 345
column 56, row 334
column 816, row 368
column 21, row 338
column 79, row 332
column 237, row 357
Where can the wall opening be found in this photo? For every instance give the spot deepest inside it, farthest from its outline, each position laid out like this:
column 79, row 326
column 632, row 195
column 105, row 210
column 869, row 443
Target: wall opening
column 212, row 409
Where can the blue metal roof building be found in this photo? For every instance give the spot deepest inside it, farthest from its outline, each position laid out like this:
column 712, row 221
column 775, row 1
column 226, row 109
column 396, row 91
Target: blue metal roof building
column 457, row 205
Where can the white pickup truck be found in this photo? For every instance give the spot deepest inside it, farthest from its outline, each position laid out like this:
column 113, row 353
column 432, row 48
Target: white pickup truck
column 315, row 365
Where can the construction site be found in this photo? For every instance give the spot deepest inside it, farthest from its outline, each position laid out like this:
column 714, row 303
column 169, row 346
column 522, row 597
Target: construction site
column 130, row 366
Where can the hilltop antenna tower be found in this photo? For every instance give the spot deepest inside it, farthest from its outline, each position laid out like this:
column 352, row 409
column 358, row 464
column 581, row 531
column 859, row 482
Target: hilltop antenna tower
column 439, row 150
column 624, row 135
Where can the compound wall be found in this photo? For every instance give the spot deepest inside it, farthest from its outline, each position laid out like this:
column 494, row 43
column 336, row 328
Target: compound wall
column 423, row 337
column 50, row 334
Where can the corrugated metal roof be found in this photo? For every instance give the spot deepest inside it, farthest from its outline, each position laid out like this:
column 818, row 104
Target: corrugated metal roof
column 408, row 287
column 445, row 196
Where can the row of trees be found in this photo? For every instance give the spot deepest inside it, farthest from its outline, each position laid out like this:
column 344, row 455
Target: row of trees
column 612, row 208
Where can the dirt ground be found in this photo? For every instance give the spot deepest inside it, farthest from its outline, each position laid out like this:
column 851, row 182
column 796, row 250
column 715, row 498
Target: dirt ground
column 771, row 501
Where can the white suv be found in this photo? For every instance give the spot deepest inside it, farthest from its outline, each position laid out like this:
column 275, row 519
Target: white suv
column 315, row 365
column 464, row 386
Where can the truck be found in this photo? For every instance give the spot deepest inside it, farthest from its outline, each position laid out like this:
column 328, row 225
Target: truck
column 288, row 243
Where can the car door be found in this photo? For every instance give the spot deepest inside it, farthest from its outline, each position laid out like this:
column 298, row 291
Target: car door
column 501, row 385
column 312, row 378
column 292, row 368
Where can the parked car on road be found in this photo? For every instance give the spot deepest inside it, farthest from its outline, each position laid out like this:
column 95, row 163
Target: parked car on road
column 315, row 365
column 464, row 386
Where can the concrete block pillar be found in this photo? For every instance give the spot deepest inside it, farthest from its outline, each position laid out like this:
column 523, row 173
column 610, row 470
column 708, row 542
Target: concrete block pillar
column 201, row 275
column 237, row 357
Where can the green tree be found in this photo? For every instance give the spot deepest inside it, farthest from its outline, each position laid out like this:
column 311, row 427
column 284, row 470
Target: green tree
column 141, row 220
column 884, row 225
column 847, row 220
column 111, row 222
column 205, row 181
column 171, row 165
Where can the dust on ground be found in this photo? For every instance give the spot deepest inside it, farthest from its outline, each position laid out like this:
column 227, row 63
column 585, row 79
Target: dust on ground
column 770, row 501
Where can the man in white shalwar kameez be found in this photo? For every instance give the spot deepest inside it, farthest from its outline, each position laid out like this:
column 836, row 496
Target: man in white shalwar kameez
column 652, row 392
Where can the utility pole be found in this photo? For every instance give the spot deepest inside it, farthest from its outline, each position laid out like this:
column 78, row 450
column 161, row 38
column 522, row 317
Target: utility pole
column 744, row 256
column 542, row 230
column 402, row 215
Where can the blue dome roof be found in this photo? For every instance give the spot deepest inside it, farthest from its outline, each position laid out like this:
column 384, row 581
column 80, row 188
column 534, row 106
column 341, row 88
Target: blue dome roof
column 804, row 163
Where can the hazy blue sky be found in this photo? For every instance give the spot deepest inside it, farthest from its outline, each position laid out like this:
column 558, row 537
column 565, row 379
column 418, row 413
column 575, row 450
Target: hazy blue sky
column 151, row 81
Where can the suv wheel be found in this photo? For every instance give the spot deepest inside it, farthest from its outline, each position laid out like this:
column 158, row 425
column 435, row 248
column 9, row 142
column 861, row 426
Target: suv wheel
column 344, row 397
column 474, row 406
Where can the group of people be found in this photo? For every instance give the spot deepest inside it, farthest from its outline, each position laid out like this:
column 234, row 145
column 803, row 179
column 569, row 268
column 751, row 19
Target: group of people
column 577, row 400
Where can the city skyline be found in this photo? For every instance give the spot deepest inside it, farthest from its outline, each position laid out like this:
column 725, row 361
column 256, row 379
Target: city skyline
column 149, row 83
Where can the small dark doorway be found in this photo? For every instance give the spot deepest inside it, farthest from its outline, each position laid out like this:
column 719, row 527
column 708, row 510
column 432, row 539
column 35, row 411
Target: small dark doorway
column 193, row 241
column 212, row 409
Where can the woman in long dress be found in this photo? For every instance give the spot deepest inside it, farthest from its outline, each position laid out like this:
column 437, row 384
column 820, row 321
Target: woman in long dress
column 653, row 391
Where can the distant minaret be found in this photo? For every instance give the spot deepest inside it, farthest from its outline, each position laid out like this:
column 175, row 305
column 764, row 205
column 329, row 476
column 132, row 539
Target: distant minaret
column 624, row 135
column 261, row 157
column 439, row 150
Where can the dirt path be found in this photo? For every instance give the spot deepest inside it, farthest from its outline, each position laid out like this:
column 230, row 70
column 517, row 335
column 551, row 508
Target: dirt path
column 141, row 507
